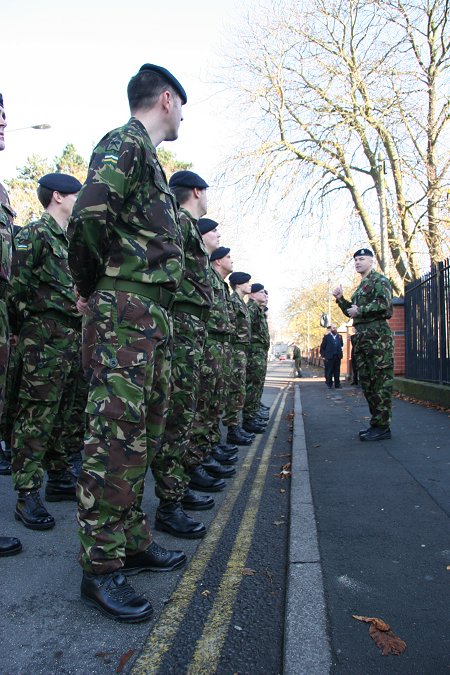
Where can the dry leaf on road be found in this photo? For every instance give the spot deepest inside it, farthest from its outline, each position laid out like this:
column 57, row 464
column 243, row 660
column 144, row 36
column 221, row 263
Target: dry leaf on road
column 123, row 659
column 248, row 572
column 383, row 636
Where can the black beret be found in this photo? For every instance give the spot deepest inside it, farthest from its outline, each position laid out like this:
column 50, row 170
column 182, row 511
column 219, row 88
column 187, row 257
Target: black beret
column 61, row 182
column 363, row 251
column 168, row 75
column 206, row 225
column 219, row 253
column 237, row 278
column 187, row 179
column 1, row 100
column 257, row 287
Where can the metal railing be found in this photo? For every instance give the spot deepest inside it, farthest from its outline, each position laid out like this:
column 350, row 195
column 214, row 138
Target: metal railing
column 427, row 318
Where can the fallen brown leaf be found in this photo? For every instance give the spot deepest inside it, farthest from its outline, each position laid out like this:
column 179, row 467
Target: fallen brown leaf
column 317, row 445
column 383, row 636
column 123, row 659
column 248, row 572
column 206, row 593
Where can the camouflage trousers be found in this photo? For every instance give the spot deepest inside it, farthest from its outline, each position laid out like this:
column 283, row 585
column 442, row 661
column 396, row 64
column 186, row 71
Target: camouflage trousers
column 235, row 398
column 255, row 376
column 12, row 387
column 4, row 351
column 48, row 353
column 209, row 406
column 127, row 343
column 171, row 479
column 374, row 351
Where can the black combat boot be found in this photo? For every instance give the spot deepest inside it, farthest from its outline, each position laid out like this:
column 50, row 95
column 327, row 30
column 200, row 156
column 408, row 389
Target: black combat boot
column 172, row 519
column 202, row 481
column 254, row 427
column 223, row 457
column 194, row 502
column 61, row 486
column 235, row 436
column 9, row 546
column 114, row 597
column 217, row 470
column 154, row 559
column 31, row 511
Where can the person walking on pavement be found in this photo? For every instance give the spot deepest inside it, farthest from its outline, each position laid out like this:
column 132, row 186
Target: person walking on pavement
column 46, row 321
column 331, row 351
column 370, row 308
column 126, row 258
column 191, row 309
column 297, row 356
column 8, row 545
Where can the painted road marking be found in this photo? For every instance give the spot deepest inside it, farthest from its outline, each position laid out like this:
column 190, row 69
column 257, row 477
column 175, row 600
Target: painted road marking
column 160, row 638
column 209, row 646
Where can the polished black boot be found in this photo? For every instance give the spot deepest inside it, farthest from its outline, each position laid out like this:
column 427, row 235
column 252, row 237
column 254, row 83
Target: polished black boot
column 376, row 434
column 154, row 559
column 114, row 597
column 31, row 511
column 172, row 519
column 9, row 546
column 223, row 457
column 227, row 448
column 217, row 470
column 194, row 502
column 61, row 486
column 202, row 481
column 254, row 427
column 235, row 436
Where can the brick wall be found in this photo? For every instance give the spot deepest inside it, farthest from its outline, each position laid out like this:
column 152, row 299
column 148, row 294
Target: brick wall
column 397, row 324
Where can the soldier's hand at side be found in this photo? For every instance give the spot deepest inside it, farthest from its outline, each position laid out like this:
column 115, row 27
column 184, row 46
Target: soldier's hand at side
column 82, row 305
column 338, row 292
column 353, row 311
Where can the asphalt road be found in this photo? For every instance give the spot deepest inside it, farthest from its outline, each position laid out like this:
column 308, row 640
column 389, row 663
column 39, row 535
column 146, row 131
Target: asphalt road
column 223, row 613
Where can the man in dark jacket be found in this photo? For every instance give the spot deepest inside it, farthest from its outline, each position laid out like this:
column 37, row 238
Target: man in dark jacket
column 331, row 351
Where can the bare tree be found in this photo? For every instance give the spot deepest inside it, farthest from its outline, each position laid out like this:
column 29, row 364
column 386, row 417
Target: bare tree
column 352, row 95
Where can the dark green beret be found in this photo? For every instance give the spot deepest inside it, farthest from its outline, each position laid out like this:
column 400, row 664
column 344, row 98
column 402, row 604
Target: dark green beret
column 187, row 179
column 237, row 278
column 363, row 251
column 219, row 253
column 206, row 225
column 61, row 182
column 257, row 287
column 168, row 75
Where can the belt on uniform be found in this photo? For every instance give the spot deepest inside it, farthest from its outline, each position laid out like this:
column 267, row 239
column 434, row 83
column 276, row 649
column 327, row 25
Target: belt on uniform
column 201, row 313
column 219, row 337
column 151, row 291
column 65, row 320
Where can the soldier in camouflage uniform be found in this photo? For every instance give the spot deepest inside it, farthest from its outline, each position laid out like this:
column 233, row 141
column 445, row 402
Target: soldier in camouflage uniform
column 8, row 545
column 47, row 324
column 370, row 307
column 240, row 283
column 254, row 420
column 127, row 262
column 191, row 308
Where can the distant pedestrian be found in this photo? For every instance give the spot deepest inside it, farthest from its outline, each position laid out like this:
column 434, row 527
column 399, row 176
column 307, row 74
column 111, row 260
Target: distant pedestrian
column 331, row 351
column 297, row 356
column 370, row 308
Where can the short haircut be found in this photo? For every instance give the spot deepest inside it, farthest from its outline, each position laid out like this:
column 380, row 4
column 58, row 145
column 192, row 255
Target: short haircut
column 182, row 193
column 44, row 195
column 145, row 88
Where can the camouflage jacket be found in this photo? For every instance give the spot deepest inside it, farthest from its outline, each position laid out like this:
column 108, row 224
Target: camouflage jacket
column 242, row 323
column 195, row 286
column 41, row 281
column 258, row 325
column 373, row 298
column 6, row 237
column 219, row 319
column 125, row 223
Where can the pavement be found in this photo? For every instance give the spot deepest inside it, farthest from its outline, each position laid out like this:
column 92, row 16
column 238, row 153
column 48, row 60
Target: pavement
column 369, row 535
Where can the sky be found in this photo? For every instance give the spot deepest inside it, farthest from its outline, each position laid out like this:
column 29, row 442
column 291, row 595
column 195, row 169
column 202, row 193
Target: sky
column 68, row 65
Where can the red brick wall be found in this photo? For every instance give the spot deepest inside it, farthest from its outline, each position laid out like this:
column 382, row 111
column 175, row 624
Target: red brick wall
column 397, row 324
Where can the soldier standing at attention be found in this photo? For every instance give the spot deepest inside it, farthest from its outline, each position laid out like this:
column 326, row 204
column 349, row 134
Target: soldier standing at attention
column 45, row 319
column 370, row 307
column 191, row 308
column 254, row 418
column 126, row 258
column 8, row 545
column 241, row 286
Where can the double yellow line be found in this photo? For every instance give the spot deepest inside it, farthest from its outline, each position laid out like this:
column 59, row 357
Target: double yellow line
column 208, row 647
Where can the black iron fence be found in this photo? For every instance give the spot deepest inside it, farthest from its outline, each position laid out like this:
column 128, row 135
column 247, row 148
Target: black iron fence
column 427, row 318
